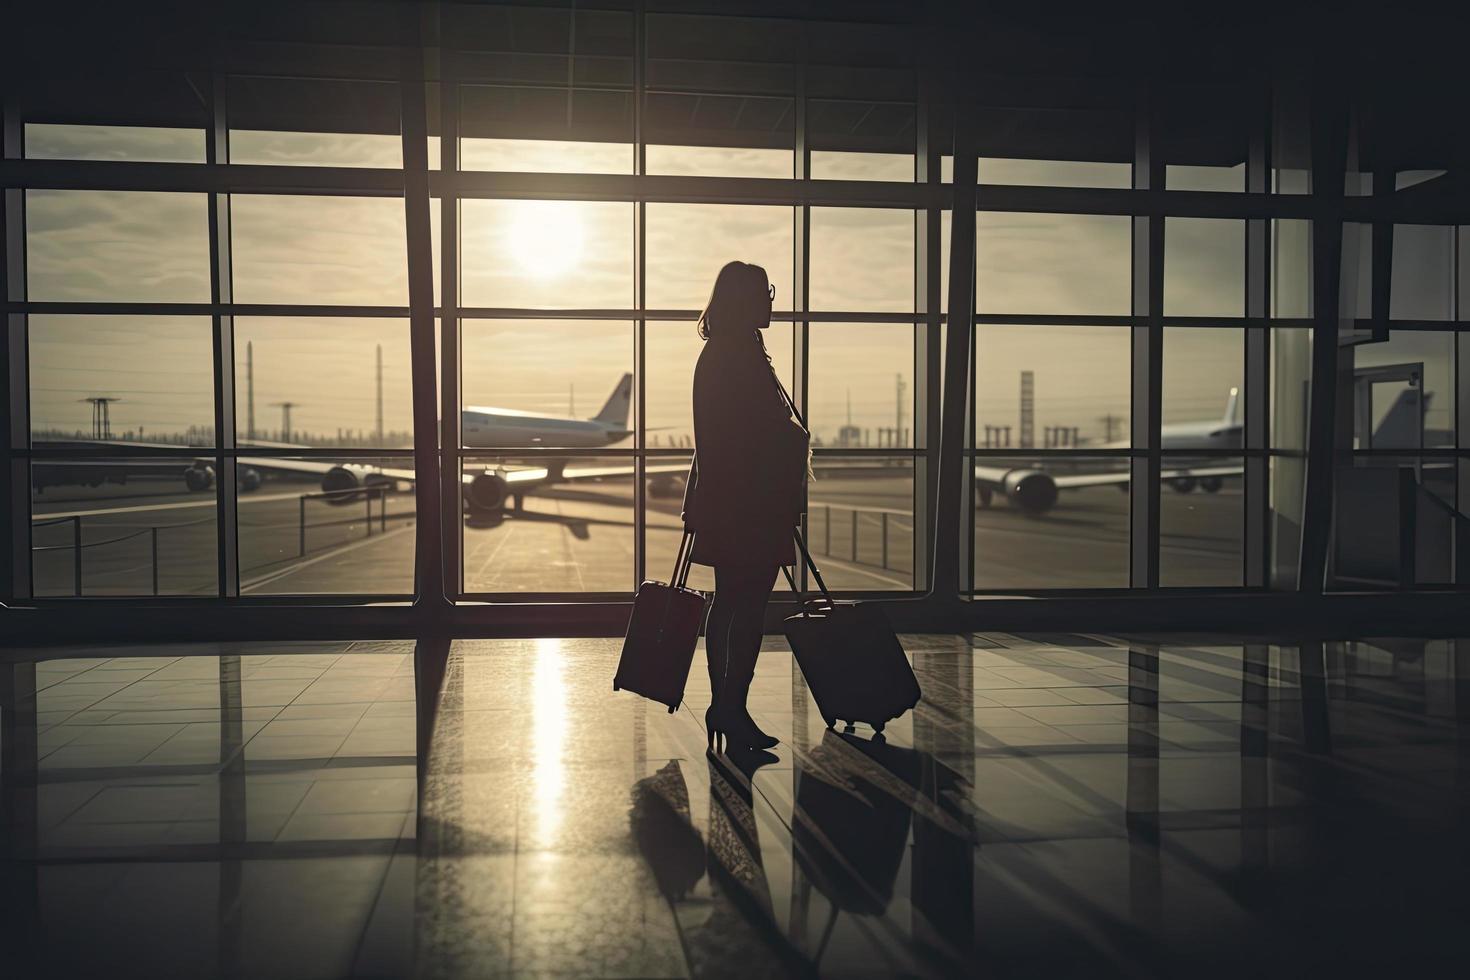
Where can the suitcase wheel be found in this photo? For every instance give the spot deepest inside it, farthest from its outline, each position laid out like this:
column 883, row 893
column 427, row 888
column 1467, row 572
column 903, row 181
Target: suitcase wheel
column 831, row 722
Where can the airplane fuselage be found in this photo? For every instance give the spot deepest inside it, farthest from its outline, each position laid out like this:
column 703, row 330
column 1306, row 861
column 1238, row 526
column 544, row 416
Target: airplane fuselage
column 494, row 428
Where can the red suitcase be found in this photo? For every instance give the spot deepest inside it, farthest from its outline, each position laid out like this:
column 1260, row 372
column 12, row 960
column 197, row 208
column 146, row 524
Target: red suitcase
column 662, row 634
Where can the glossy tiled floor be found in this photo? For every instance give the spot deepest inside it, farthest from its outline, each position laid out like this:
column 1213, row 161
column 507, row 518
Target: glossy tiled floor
column 1058, row 805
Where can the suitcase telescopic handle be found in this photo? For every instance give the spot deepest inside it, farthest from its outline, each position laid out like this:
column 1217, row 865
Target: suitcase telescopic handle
column 816, row 574
column 682, row 560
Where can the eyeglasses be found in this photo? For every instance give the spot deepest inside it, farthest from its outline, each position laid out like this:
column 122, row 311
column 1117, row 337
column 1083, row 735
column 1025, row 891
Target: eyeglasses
column 772, row 291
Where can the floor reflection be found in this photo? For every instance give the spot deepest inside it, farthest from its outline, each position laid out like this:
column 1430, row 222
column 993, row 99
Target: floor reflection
column 1057, row 804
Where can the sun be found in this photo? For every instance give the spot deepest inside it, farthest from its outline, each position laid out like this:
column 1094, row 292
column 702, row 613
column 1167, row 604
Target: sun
column 545, row 237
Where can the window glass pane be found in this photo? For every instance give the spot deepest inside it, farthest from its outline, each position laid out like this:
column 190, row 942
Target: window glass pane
column 840, row 165
column 860, row 521
column 1078, row 389
column 540, row 73
column 1291, row 267
column 1066, row 264
column 1356, row 286
column 1031, row 534
column 1204, row 133
column 862, row 385
column 155, row 372
column 718, row 161
column 860, row 110
column 327, row 250
column 1368, row 552
column 572, row 533
column 1201, row 522
column 545, row 156
column 1291, row 139
column 118, row 246
column 1423, row 286
column 326, row 526
column 1056, row 173
column 670, row 352
column 689, row 243
column 1187, row 178
column 314, row 122
column 1204, row 267
column 120, row 523
column 346, row 380
column 720, row 96
column 862, row 259
column 565, row 383
column 1388, row 401
column 547, row 254
column 1056, row 131
column 154, row 144
column 1204, row 388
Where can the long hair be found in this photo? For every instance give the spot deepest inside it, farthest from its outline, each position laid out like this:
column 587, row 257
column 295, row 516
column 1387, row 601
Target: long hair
column 739, row 302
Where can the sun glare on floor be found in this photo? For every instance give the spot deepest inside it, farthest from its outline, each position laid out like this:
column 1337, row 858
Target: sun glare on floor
column 546, row 237
column 549, row 722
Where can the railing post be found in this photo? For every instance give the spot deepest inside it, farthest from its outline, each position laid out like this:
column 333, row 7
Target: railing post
column 383, row 511
column 367, row 499
column 885, row 539
column 76, row 550
column 302, row 526
column 827, row 529
column 153, row 535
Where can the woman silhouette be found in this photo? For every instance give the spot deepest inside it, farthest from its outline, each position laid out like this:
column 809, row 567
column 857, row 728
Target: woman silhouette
column 744, row 498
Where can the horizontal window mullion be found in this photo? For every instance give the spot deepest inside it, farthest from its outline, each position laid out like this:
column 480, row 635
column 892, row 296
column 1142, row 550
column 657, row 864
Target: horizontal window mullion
column 698, row 190
column 84, row 307
column 107, row 450
column 123, row 175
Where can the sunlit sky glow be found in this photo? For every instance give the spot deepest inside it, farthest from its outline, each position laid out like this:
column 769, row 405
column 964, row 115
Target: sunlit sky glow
column 141, row 247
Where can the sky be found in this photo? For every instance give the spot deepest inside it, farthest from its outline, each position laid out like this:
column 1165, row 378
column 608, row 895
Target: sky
column 139, row 247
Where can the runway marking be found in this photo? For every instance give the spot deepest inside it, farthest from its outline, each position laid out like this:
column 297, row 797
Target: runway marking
column 252, row 499
column 353, row 546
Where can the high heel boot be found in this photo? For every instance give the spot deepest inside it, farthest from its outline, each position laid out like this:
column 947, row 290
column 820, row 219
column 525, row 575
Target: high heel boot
column 732, row 718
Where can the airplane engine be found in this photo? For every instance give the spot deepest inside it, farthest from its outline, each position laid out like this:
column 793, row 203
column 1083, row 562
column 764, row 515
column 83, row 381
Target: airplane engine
column 198, row 478
column 340, row 478
column 248, row 479
column 1211, row 484
column 487, row 492
column 1183, row 484
column 1032, row 490
column 378, row 481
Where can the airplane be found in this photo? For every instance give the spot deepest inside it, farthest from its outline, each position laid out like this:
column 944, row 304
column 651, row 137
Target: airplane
column 486, row 489
column 1034, row 489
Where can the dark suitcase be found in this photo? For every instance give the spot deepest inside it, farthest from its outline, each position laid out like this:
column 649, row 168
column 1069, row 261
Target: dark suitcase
column 662, row 634
column 850, row 657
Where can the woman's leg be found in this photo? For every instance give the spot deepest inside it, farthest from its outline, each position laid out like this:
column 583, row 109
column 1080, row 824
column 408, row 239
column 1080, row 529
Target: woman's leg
column 745, row 592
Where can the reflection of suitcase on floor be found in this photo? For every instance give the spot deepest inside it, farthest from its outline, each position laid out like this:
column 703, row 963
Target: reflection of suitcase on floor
column 850, row 657
column 851, row 826
column 662, row 634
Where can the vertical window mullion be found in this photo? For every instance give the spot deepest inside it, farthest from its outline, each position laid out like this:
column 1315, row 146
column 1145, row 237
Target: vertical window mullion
column 640, row 303
column 15, row 482
column 1257, row 356
column 221, row 291
column 451, row 384
column 1146, row 465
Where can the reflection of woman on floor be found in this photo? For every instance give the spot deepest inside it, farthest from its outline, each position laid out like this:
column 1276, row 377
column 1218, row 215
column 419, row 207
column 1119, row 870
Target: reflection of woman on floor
column 731, row 932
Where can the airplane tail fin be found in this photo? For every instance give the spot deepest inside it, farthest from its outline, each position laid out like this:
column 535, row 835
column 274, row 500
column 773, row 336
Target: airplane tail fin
column 1232, row 407
column 615, row 412
column 1402, row 424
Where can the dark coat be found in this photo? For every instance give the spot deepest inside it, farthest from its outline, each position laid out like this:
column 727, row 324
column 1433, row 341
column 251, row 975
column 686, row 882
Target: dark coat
column 738, row 515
